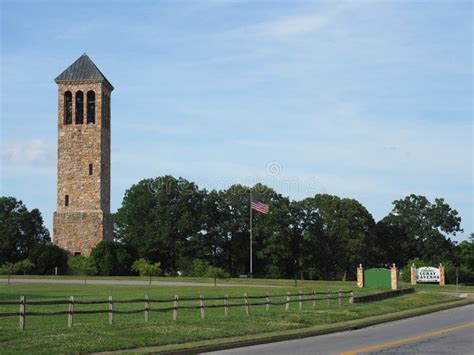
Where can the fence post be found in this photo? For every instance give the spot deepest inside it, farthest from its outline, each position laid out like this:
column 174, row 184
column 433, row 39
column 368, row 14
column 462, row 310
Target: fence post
column 147, row 308
column 314, row 299
column 111, row 311
column 201, row 299
column 301, row 300
column 339, row 296
column 267, row 305
column 246, row 301
column 22, row 312
column 351, row 298
column 70, row 312
column 287, row 305
column 175, row 307
column 226, row 305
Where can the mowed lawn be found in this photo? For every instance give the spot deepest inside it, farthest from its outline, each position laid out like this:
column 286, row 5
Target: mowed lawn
column 94, row 333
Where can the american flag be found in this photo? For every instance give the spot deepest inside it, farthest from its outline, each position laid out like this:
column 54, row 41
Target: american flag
column 259, row 206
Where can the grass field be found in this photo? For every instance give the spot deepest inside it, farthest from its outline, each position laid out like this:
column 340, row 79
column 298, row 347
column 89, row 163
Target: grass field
column 246, row 281
column 93, row 333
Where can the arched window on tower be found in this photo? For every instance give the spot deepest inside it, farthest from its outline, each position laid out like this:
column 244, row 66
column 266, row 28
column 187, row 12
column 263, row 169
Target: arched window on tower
column 90, row 107
column 67, row 107
column 79, row 107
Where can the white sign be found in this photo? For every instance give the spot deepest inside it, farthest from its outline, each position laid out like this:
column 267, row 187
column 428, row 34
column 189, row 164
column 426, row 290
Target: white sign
column 427, row 274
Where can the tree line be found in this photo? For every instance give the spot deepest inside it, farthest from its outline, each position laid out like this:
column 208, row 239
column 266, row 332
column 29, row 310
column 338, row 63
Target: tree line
column 173, row 222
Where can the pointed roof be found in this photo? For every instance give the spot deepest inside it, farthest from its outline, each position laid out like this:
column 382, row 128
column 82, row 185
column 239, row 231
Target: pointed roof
column 83, row 69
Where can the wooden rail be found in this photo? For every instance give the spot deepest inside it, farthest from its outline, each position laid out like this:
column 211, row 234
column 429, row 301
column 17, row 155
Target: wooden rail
column 110, row 310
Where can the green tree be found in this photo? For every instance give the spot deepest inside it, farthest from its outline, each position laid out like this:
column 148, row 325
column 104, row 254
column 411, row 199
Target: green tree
column 158, row 217
column 466, row 252
column 8, row 269
column 277, row 242
column 232, row 229
column 335, row 232
column 210, row 242
column 202, row 268
column 465, row 262
column 389, row 244
column 20, row 230
column 46, row 257
column 223, row 240
column 217, row 273
column 145, row 268
column 82, row 265
column 112, row 258
column 24, row 266
column 423, row 228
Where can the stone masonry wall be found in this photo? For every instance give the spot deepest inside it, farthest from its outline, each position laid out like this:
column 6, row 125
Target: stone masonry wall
column 413, row 274
column 79, row 232
column 442, row 277
column 360, row 276
column 394, row 277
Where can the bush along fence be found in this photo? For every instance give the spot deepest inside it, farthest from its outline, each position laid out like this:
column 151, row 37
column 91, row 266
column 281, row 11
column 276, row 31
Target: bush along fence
column 247, row 302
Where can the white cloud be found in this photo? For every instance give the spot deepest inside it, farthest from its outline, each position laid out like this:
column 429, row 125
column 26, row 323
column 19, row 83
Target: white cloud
column 297, row 24
column 28, row 156
column 294, row 25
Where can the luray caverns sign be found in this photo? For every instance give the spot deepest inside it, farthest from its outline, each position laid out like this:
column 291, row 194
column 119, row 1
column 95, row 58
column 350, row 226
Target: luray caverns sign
column 427, row 274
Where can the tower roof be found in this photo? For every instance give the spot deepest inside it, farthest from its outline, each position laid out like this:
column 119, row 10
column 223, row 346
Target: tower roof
column 83, row 69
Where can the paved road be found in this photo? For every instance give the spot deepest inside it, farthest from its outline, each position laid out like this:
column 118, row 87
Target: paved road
column 446, row 332
column 125, row 282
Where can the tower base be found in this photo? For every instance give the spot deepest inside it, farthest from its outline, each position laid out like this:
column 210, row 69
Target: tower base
column 79, row 232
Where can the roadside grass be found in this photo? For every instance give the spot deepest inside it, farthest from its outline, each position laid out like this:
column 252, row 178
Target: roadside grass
column 437, row 288
column 93, row 333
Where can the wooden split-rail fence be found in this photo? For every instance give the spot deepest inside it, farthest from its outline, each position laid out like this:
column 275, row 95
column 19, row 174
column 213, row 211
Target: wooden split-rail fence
column 262, row 300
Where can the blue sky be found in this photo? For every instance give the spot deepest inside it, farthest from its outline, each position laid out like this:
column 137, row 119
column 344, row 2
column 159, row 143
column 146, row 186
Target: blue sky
column 371, row 100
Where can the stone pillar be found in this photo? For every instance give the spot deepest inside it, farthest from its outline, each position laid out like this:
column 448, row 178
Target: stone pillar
column 442, row 280
column 394, row 277
column 413, row 274
column 360, row 276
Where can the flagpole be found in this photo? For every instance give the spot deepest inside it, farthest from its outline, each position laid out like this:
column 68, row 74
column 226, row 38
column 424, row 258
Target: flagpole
column 250, row 205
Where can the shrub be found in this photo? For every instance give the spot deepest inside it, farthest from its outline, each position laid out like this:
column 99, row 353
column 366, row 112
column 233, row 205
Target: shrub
column 272, row 272
column 199, row 268
column 112, row 258
column 465, row 275
column 406, row 271
column 46, row 257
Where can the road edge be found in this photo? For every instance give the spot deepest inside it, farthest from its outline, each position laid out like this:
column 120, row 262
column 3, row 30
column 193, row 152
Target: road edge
column 291, row 334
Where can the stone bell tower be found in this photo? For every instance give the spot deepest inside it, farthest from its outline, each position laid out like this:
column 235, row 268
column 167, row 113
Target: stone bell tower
column 83, row 218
